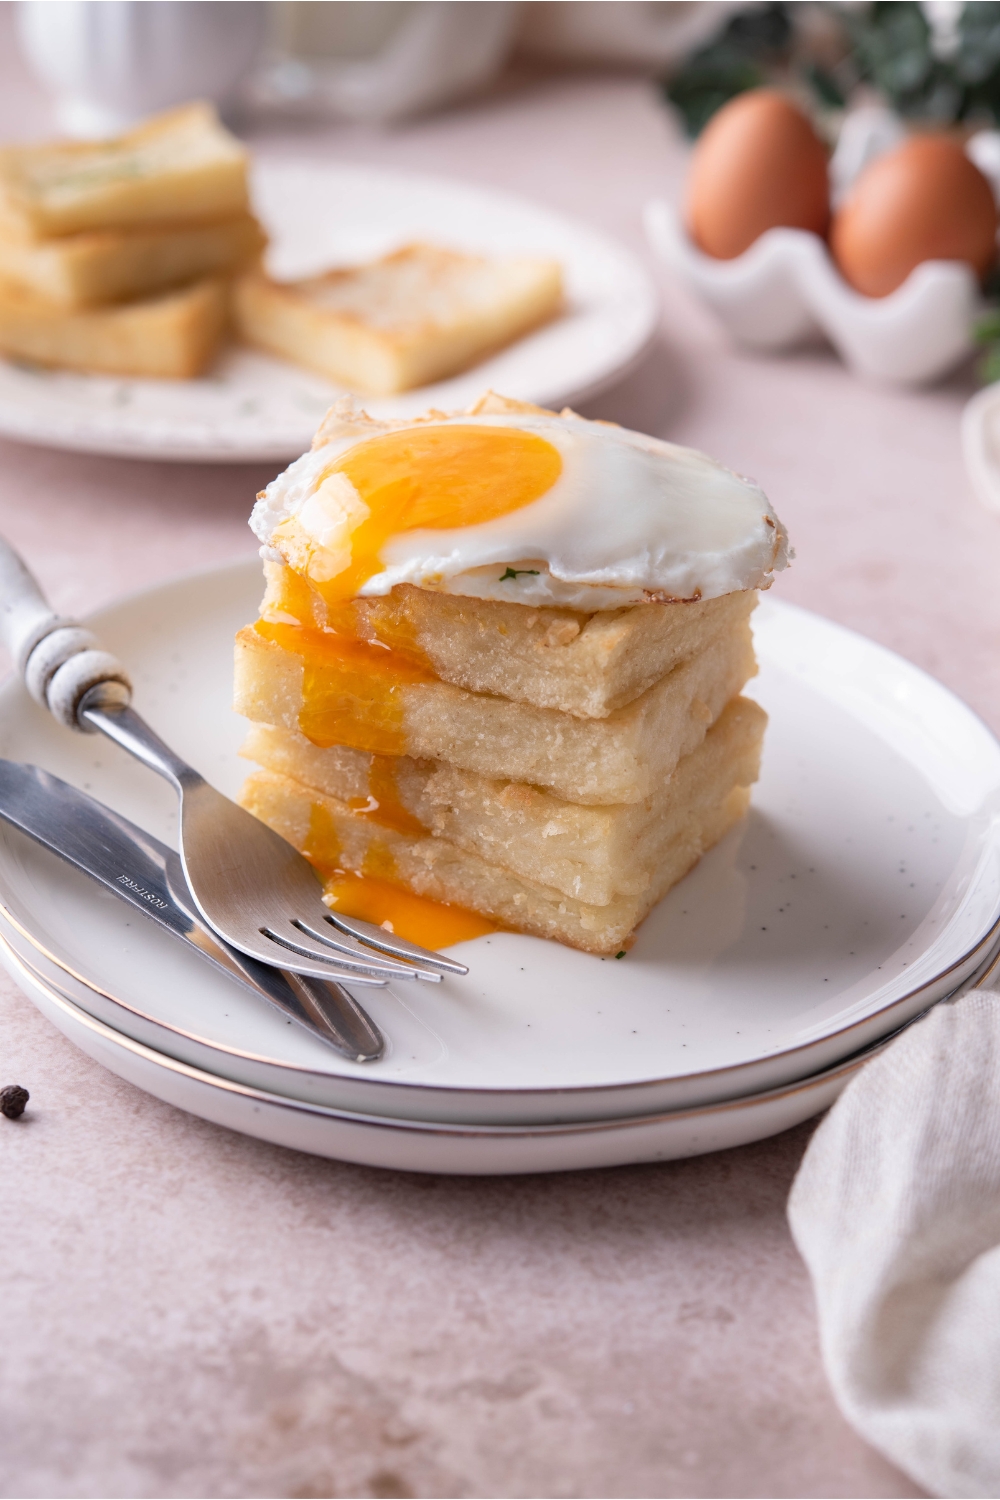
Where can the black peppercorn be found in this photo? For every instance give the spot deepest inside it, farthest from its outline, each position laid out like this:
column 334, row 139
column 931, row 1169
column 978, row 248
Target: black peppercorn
column 12, row 1101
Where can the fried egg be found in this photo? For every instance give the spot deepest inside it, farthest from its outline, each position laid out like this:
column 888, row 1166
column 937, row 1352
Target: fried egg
column 512, row 503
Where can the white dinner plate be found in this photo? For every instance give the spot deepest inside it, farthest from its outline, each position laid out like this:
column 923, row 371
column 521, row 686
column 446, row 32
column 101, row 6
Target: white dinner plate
column 251, row 406
column 425, row 1146
column 864, row 885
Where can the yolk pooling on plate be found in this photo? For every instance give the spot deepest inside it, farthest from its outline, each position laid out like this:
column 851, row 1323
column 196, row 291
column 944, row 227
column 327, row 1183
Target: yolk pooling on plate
column 372, row 896
column 432, row 924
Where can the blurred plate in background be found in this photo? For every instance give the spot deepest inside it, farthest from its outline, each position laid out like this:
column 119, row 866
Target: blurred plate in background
column 252, row 406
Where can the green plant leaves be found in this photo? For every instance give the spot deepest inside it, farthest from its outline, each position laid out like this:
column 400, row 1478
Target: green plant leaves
column 889, row 45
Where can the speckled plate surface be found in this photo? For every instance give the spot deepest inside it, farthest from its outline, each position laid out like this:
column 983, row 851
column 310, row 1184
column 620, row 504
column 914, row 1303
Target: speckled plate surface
column 250, row 406
column 862, row 887
column 426, row 1146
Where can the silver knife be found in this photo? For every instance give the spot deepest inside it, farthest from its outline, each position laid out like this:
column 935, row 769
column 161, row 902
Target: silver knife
column 148, row 876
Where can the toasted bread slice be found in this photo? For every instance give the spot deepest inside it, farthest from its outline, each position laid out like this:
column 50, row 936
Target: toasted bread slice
column 594, row 854
column 86, row 270
column 581, row 664
column 334, row 838
column 175, row 335
column 418, row 315
column 181, row 167
column 296, row 679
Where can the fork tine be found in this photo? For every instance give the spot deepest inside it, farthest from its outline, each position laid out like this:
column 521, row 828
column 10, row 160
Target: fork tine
column 274, row 952
column 330, row 965
column 345, row 943
column 386, row 942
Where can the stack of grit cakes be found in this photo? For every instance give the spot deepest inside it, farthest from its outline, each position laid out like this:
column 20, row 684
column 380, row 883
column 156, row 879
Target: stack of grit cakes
column 131, row 256
column 116, row 256
column 498, row 665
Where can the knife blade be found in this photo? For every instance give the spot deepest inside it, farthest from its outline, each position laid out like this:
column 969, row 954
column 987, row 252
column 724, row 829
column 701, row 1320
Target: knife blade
column 147, row 875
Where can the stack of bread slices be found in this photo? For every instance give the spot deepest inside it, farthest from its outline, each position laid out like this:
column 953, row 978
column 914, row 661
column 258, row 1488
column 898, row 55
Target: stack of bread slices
column 116, row 256
column 555, row 771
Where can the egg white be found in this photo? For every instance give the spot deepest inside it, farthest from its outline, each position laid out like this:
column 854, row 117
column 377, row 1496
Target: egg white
column 630, row 518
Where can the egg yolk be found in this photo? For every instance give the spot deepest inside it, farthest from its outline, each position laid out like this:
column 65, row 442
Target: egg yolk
column 353, row 693
column 432, row 924
column 383, row 803
column 372, row 895
column 437, row 479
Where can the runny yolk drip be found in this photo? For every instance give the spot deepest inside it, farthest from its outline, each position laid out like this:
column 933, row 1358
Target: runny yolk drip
column 437, row 479
column 290, row 594
column 352, row 692
column 372, row 896
column 291, row 598
column 383, row 804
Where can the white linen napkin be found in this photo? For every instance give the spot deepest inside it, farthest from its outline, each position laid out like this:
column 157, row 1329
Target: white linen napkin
column 896, row 1212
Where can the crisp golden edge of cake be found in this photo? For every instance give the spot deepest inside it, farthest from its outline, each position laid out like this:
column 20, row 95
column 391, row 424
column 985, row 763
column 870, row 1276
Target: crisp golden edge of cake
column 342, row 344
column 592, row 853
column 435, row 869
column 584, row 664
column 173, row 335
column 210, row 190
column 108, row 266
column 617, row 759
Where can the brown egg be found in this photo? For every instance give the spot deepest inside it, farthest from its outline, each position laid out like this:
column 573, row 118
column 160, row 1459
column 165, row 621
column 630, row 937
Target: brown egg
column 923, row 201
column 758, row 164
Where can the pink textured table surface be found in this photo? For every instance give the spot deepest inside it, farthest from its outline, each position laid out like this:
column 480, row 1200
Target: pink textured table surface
column 188, row 1312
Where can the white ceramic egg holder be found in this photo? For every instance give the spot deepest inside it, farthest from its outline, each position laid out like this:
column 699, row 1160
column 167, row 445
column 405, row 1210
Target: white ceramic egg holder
column 785, row 291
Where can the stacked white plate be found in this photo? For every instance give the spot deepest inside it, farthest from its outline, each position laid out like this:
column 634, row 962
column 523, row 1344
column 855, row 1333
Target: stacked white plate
column 863, row 887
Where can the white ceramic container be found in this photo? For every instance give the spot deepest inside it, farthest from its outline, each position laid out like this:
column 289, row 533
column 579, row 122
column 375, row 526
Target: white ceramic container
column 785, row 291
column 378, row 63
column 111, row 62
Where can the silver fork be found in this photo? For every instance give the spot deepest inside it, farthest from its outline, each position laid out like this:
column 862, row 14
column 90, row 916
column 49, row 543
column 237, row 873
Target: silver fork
column 247, row 882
